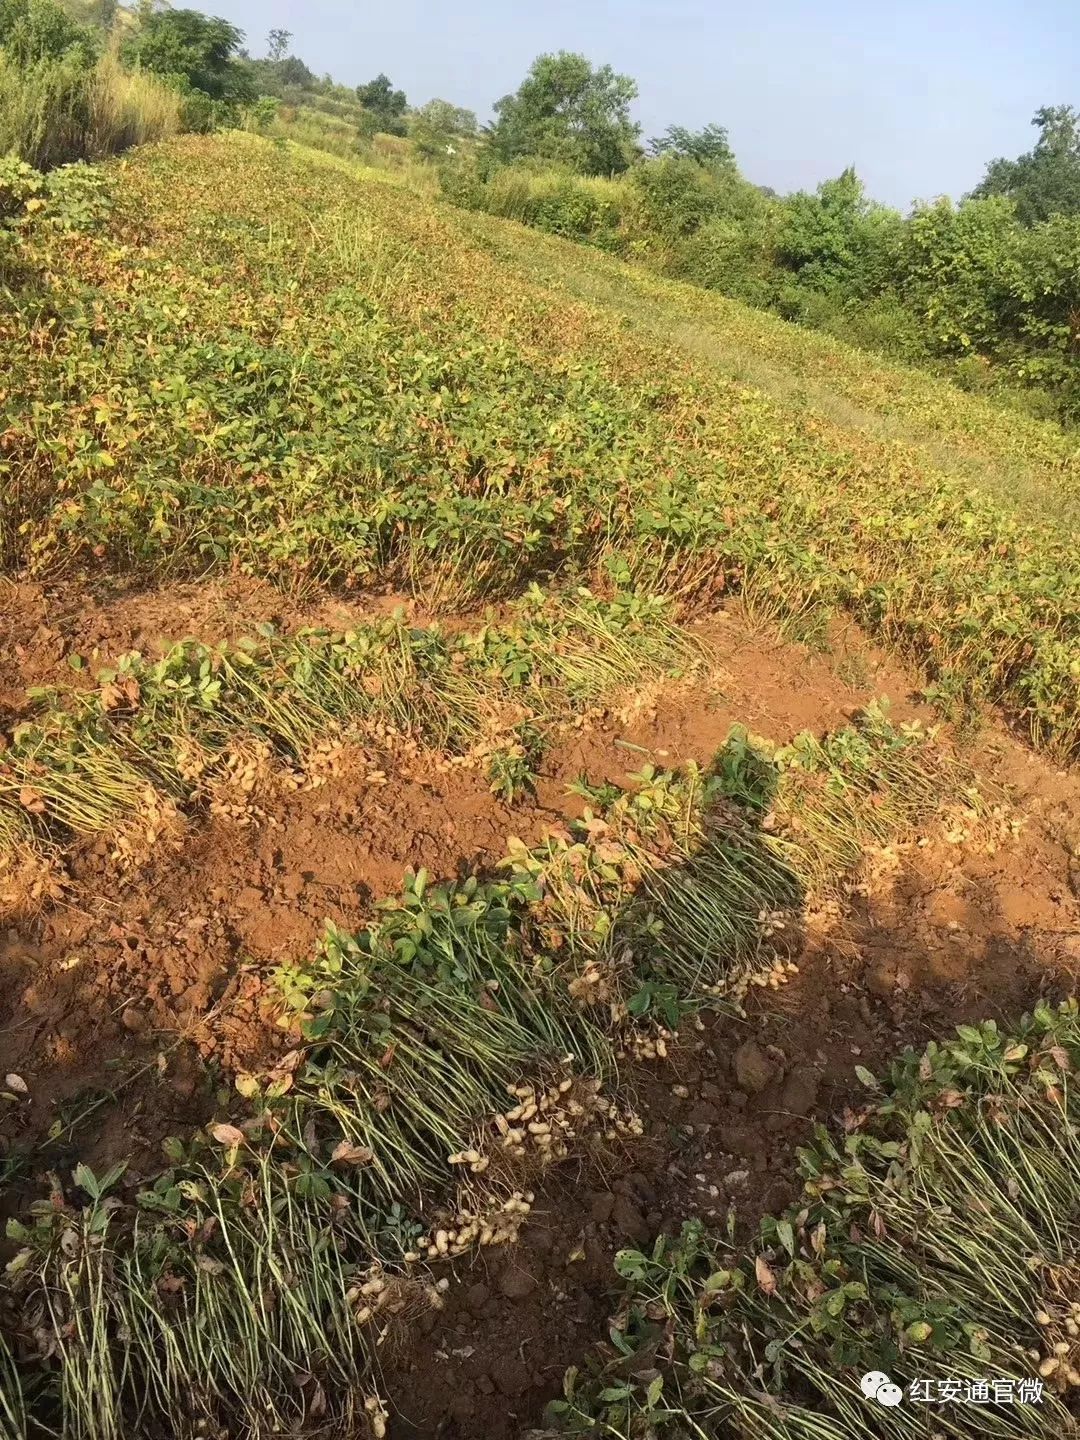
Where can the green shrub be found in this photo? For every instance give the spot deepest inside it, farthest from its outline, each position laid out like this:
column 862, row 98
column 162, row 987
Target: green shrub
column 726, row 256
column 555, row 200
column 887, row 326
column 460, row 183
column 574, row 209
column 675, row 196
column 35, row 30
column 261, row 116
column 60, row 101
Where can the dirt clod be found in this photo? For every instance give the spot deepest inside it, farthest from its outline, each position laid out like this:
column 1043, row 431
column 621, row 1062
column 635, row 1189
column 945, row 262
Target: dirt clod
column 753, row 1068
column 800, row 1092
column 516, row 1283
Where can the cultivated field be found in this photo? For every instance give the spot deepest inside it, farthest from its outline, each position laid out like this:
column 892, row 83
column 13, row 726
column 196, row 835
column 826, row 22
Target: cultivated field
column 512, row 773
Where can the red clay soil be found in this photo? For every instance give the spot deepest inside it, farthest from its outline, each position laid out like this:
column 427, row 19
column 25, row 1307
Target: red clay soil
column 126, row 1005
column 177, row 958
column 43, row 626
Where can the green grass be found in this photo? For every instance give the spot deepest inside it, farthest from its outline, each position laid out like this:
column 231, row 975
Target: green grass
column 1021, row 461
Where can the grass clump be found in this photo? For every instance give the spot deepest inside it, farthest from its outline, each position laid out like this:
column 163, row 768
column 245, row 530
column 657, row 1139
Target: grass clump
column 936, row 1241
column 60, row 110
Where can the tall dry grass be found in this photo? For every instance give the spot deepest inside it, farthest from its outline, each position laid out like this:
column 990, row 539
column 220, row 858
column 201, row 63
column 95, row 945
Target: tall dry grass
column 58, row 111
column 44, row 111
column 130, row 107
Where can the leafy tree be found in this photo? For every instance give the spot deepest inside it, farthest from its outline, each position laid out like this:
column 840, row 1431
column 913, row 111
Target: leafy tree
column 292, row 71
column 837, row 239
column 385, row 103
column 277, row 45
column 436, row 125
column 957, row 265
column 35, row 30
column 1045, row 181
column 707, row 147
column 676, row 196
column 568, row 112
column 280, row 71
column 196, row 48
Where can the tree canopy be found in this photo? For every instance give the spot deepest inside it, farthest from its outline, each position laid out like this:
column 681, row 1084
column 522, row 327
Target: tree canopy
column 385, row 103
column 1045, row 181
column 707, row 147
column 200, row 49
column 277, row 44
column 31, row 31
column 568, row 112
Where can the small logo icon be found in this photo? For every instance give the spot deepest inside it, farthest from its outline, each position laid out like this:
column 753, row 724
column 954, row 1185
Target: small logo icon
column 876, row 1385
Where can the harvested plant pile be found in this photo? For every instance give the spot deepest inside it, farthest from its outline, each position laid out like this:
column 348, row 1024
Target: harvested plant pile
column 222, row 725
column 936, row 1241
column 271, row 1256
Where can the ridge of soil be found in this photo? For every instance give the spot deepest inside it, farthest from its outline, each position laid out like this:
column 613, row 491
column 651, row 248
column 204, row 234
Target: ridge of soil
column 125, row 1005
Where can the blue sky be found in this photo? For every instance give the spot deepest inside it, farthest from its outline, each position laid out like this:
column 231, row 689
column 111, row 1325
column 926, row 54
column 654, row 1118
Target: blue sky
column 917, row 94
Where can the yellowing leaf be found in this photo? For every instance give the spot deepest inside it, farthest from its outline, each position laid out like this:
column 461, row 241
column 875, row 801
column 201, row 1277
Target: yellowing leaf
column 346, row 1153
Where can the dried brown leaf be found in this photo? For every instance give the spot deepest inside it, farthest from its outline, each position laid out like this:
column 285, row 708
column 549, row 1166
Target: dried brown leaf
column 227, row 1134
column 765, row 1277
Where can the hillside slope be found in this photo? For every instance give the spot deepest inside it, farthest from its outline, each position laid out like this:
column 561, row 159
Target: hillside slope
column 274, row 365
column 477, row 790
